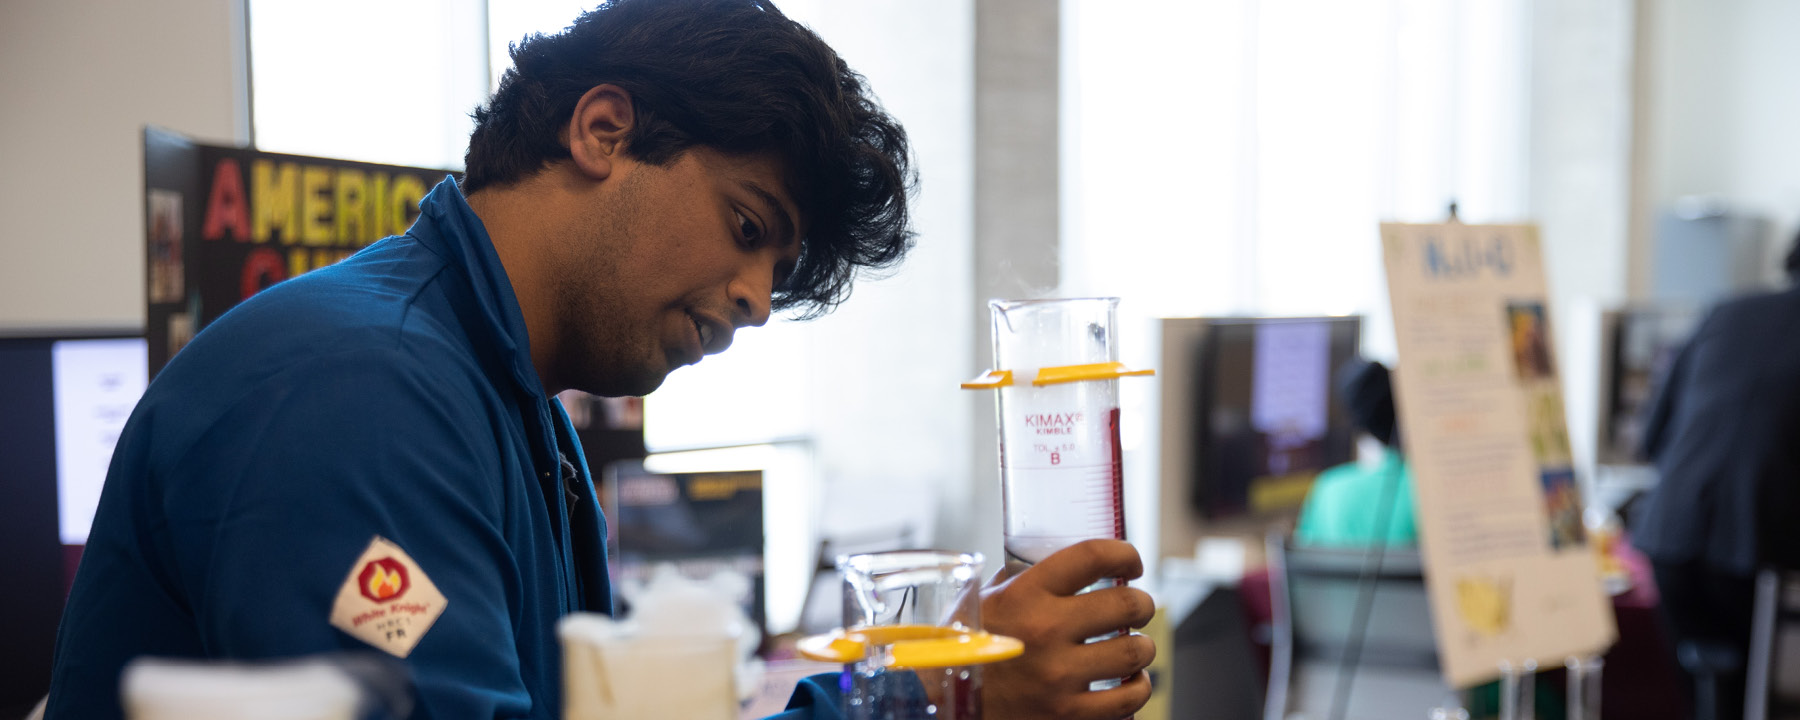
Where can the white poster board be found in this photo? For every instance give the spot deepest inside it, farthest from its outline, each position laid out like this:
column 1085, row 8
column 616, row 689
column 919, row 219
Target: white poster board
column 1510, row 573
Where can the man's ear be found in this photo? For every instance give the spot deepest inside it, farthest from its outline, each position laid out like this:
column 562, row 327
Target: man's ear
column 597, row 129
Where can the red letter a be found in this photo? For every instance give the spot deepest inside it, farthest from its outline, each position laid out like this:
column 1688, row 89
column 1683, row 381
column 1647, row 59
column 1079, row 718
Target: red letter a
column 225, row 208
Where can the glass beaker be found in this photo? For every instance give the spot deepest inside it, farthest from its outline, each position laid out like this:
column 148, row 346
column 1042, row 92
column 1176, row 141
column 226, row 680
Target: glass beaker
column 1060, row 473
column 912, row 646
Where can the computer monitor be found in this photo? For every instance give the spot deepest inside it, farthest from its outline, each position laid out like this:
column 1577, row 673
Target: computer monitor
column 1267, row 417
column 1638, row 346
column 64, row 397
column 701, row 523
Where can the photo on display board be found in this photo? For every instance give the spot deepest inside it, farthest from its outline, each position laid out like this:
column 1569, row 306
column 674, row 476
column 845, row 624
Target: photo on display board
column 1530, row 334
column 1485, row 604
column 181, row 330
column 1562, row 507
column 1544, row 424
column 167, row 283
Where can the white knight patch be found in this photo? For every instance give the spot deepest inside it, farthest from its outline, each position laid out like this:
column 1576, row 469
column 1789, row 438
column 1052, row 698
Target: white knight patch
column 387, row 601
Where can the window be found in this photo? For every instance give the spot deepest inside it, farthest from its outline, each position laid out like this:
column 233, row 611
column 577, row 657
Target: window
column 1237, row 156
column 391, row 81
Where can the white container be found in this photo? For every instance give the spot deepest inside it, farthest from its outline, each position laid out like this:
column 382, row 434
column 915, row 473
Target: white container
column 610, row 673
column 684, row 653
column 184, row 690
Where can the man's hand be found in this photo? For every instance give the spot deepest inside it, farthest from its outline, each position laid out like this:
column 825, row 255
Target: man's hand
column 1039, row 606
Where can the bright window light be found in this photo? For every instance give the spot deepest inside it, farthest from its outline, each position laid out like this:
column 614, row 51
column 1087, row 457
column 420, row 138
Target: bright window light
column 1266, row 140
column 387, row 81
column 510, row 20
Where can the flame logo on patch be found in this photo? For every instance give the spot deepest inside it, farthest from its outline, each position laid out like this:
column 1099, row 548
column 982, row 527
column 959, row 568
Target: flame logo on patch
column 383, row 580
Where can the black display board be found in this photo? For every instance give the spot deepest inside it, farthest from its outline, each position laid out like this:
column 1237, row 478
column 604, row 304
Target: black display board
column 222, row 223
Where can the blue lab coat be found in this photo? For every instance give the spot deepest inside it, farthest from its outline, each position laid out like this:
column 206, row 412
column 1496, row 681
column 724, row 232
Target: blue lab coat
column 815, row 698
column 390, row 395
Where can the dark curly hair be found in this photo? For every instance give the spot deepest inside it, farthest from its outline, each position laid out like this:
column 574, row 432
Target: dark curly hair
column 736, row 76
column 1368, row 393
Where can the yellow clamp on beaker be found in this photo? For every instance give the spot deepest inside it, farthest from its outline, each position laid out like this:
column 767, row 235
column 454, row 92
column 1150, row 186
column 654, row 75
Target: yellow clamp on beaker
column 912, row 646
column 1056, row 375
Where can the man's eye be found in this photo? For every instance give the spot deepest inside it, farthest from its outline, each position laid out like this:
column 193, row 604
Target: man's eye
column 747, row 228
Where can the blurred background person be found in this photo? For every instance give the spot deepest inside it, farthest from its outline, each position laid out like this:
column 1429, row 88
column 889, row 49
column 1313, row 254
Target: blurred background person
column 1724, row 432
column 1345, row 506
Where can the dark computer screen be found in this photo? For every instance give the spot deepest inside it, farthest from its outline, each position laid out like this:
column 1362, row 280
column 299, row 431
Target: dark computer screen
column 63, row 399
column 701, row 523
column 1639, row 346
column 1268, row 416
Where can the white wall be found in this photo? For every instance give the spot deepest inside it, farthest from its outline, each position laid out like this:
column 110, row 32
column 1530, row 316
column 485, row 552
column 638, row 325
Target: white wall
column 1581, row 141
column 1725, row 106
column 78, row 81
column 1581, row 115
column 1687, row 98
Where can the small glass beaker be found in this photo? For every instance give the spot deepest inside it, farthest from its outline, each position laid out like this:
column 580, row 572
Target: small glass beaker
column 912, row 645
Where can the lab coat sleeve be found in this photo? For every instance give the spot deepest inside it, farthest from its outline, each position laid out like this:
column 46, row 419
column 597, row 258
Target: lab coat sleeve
column 270, row 510
column 815, row 698
column 821, row 697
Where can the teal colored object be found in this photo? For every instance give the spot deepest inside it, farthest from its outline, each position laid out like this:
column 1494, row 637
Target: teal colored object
column 1343, row 507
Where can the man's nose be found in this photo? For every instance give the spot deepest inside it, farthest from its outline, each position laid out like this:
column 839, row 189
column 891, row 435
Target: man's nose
column 751, row 293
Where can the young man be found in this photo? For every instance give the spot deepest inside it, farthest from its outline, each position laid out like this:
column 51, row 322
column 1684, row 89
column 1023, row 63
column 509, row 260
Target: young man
column 368, row 456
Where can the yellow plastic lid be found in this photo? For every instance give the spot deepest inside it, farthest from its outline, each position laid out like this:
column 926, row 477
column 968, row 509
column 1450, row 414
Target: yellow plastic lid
column 1055, row 375
column 1093, row 371
column 912, row 646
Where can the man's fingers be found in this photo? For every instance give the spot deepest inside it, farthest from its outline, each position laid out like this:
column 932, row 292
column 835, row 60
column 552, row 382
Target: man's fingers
column 1040, row 606
column 1112, row 703
column 1118, row 657
column 1108, row 610
column 1077, row 566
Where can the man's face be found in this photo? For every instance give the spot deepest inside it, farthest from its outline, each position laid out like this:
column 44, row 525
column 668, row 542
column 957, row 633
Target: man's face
column 666, row 263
